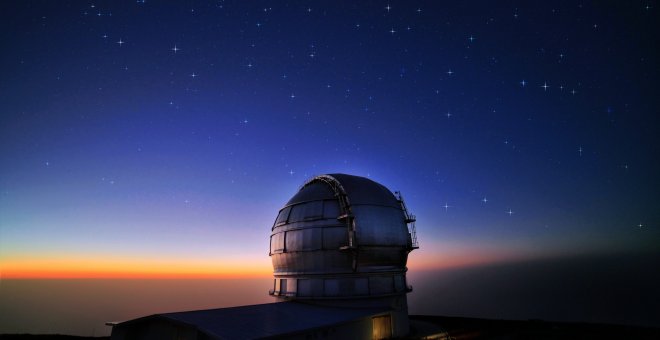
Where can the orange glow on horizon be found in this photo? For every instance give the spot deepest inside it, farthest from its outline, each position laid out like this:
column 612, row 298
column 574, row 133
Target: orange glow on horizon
column 66, row 268
column 439, row 256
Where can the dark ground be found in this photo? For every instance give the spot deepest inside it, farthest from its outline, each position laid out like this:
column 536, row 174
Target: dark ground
column 49, row 337
column 470, row 328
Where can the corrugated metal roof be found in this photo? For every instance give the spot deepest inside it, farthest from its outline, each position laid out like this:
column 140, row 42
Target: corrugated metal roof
column 264, row 320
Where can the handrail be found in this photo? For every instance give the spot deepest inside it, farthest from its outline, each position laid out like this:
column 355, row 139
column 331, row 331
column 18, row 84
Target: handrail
column 410, row 222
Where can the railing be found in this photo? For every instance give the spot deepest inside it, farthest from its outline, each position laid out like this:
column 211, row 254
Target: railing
column 410, row 222
column 413, row 233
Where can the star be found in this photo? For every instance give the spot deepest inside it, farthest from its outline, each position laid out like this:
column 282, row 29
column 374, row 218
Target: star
column 640, row 225
column 419, row 10
column 510, row 212
column 292, row 96
column 388, row 8
column 105, row 36
column 175, row 49
column 485, row 200
column 573, row 92
column 446, row 206
column 193, row 75
column 450, row 72
column 392, row 31
column 545, row 86
column 448, row 114
column 471, row 38
column 580, row 150
column 249, row 65
column 291, row 172
column 120, row 42
column 523, row 83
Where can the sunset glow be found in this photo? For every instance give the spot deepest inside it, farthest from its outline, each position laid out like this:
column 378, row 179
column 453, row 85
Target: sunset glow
column 123, row 268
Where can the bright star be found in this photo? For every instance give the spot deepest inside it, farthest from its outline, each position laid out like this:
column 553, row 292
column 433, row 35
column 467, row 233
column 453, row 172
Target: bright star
column 446, row 206
column 545, row 86
column 450, row 72
column 485, row 200
column 510, row 212
column 193, row 75
column 523, row 83
column 175, row 49
column 120, row 42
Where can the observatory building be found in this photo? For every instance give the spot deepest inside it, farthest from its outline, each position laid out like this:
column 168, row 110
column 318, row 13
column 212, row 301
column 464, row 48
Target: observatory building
column 339, row 249
column 343, row 241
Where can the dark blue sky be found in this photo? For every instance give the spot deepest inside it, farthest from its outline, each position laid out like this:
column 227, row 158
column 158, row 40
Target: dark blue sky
column 170, row 131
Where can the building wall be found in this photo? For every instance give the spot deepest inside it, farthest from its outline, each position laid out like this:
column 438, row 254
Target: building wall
column 363, row 328
column 358, row 329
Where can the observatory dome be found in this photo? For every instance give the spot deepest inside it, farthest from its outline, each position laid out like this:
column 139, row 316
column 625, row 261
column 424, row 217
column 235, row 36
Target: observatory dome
column 342, row 237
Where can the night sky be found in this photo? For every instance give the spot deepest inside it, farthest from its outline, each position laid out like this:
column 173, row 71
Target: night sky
column 161, row 139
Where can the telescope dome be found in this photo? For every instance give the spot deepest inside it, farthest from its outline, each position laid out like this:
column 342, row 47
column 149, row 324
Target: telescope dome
column 341, row 236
